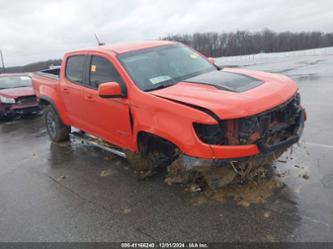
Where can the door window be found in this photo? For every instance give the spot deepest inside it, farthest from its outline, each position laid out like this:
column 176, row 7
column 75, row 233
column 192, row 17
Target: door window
column 74, row 68
column 102, row 71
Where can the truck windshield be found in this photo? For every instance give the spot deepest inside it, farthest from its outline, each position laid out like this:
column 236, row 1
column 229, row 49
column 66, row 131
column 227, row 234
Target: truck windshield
column 14, row 81
column 163, row 66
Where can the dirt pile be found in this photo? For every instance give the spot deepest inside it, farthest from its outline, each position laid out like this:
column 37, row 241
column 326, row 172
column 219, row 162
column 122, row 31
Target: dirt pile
column 244, row 194
column 248, row 182
column 215, row 177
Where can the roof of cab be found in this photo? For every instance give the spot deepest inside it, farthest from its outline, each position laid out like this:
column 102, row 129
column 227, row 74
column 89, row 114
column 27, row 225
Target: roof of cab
column 120, row 48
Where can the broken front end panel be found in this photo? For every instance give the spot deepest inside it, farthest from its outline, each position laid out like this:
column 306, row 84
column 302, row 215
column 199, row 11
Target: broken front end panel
column 273, row 131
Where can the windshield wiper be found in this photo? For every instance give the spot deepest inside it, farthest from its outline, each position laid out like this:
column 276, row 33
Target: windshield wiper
column 160, row 86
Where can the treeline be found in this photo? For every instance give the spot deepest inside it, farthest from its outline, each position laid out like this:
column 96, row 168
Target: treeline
column 37, row 66
column 244, row 42
column 226, row 44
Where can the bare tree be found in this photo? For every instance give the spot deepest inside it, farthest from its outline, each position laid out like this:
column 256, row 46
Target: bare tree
column 244, row 42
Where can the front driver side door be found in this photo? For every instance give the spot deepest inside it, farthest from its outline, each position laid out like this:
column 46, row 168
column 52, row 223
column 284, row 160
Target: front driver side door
column 109, row 118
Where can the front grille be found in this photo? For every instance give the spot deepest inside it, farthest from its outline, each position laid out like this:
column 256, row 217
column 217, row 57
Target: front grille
column 270, row 127
column 28, row 110
column 26, row 100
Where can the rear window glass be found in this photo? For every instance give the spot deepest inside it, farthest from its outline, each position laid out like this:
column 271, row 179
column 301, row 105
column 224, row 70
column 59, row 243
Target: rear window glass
column 74, row 68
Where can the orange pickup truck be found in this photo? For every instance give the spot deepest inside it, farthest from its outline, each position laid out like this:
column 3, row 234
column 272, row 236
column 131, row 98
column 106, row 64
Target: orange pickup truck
column 156, row 101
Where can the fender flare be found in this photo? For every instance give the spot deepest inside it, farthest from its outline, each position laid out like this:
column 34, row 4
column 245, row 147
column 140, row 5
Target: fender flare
column 49, row 100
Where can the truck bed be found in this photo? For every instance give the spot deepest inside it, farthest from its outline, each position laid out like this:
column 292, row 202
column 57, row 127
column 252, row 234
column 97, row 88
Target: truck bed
column 50, row 73
column 45, row 79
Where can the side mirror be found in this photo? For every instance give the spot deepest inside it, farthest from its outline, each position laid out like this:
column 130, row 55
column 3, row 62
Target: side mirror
column 211, row 60
column 110, row 90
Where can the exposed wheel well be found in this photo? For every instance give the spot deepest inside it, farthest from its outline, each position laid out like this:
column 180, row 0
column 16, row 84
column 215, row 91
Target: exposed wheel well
column 148, row 142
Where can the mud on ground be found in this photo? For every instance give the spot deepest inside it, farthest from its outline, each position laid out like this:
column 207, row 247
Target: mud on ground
column 249, row 182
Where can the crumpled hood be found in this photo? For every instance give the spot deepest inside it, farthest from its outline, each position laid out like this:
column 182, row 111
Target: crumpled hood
column 17, row 92
column 270, row 91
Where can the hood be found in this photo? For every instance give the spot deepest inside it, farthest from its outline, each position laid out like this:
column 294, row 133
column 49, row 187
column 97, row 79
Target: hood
column 234, row 93
column 17, row 92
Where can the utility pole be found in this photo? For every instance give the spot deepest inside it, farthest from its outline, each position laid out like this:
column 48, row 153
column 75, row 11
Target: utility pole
column 3, row 63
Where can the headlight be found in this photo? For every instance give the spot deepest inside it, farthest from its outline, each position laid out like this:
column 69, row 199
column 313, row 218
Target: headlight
column 6, row 100
column 210, row 134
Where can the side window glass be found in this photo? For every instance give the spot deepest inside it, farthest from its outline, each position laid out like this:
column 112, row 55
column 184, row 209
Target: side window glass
column 102, row 71
column 74, row 68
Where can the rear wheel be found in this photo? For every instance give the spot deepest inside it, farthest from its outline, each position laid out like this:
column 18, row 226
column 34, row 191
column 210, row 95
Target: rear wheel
column 56, row 129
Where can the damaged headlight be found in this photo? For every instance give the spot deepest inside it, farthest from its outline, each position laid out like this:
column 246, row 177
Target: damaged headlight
column 6, row 100
column 210, row 134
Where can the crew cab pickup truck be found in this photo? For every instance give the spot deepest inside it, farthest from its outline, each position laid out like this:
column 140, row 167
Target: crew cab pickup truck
column 156, row 101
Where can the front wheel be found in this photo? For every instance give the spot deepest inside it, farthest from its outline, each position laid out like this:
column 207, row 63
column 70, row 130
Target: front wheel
column 155, row 154
column 57, row 130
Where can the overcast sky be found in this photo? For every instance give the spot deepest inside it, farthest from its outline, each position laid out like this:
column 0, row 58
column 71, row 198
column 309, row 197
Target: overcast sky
column 36, row 30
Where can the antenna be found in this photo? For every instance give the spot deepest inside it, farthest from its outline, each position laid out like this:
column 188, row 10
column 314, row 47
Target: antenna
column 98, row 41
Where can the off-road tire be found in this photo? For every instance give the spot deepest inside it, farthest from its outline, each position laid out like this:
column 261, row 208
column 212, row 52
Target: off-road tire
column 57, row 130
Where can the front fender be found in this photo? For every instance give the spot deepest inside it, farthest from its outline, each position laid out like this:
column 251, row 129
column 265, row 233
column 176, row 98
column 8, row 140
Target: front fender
column 173, row 122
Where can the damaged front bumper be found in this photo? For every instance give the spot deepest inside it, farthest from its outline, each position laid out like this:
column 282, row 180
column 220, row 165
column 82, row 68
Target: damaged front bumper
column 9, row 110
column 257, row 153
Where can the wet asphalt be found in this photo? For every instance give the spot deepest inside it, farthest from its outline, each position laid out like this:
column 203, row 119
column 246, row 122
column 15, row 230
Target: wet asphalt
column 72, row 192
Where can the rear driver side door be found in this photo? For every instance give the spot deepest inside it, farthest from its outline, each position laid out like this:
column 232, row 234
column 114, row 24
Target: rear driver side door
column 72, row 87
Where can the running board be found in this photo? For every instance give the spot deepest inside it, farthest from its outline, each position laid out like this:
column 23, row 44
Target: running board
column 90, row 140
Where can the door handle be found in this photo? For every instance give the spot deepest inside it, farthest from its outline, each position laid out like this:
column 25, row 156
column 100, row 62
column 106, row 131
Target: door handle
column 90, row 98
column 65, row 90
